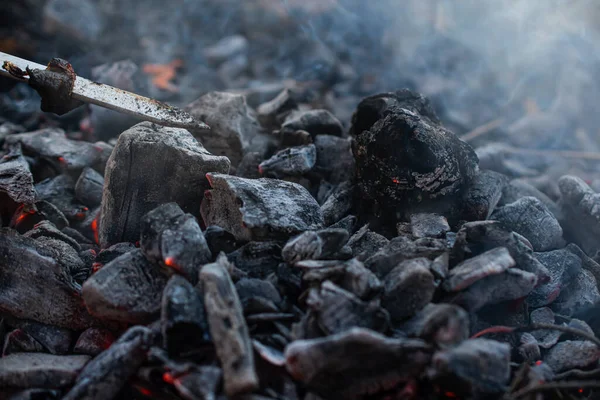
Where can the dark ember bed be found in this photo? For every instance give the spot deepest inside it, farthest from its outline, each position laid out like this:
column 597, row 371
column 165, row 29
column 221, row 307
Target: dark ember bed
column 395, row 200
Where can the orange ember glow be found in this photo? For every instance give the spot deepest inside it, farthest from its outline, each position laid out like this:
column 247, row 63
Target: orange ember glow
column 493, row 329
column 163, row 74
column 168, row 378
column 170, row 262
column 62, row 160
column 96, row 267
column 94, row 227
column 538, row 362
column 396, row 181
column 260, row 170
column 145, row 392
column 451, row 395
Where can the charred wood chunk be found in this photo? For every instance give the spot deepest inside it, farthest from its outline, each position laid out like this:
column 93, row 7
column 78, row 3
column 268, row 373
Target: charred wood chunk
column 365, row 243
column 428, row 225
column 314, row 245
column 408, row 288
column 564, row 268
column 219, row 240
column 233, row 124
column 572, row 354
column 104, row 376
column 483, row 363
column 93, row 341
column 478, row 237
column 15, row 177
column 586, row 262
column 60, row 191
column 183, row 322
column 580, row 207
column 200, row 383
column 250, row 289
column 39, row 370
column 228, row 328
column 293, row 161
column 446, row 325
column 174, row 239
column 269, row 113
column 518, row 188
column 355, row 363
column 406, row 161
column 491, row 262
column 30, row 276
column 531, row 218
column 483, row 195
column 582, row 292
column 48, row 230
column 127, row 289
column 334, row 158
column 315, row 122
column 88, row 188
column 259, row 209
column 545, row 338
column 338, row 204
column 19, row 341
column 529, row 348
column 54, row 339
column 338, row 310
column 248, row 166
column 257, row 259
column 348, row 223
column 149, row 166
column 116, row 250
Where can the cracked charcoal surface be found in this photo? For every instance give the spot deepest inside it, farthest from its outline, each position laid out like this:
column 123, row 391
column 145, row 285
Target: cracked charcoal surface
column 26, row 370
column 564, row 267
column 315, row 122
column 88, row 188
column 314, row 245
column 292, row 161
column 15, row 177
column 492, row 262
column 483, row 195
column 149, row 166
column 334, row 158
column 428, row 225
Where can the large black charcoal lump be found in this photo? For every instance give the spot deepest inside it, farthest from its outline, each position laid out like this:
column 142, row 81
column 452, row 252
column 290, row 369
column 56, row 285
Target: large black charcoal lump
column 407, row 161
column 149, row 166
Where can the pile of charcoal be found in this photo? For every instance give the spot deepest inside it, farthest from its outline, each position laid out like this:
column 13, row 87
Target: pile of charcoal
column 282, row 256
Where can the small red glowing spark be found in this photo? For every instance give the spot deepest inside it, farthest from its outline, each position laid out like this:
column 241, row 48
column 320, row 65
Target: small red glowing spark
column 580, row 390
column 168, row 378
column 452, row 395
column 62, row 160
column 493, row 329
column 538, row 362
column 137, row 243
column 94, row 227
column 145, row 392
column 170, row 261
column 96, row 267
column 396, row 181
column 80, row 215
column 260, row 170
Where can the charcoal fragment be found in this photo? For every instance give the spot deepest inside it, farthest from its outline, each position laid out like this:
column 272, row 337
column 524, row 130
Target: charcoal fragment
column 39, row 370
column 174, row 240
column 232, row 123
column 249, row 289
column 93, row 341
column 408, row 288
column 314, row 245
column 546, row 338
column 104, row 376
column 334, row 158
column 582, row 292
column 564, row 267
column 228, row 328
column 491, row 262
column 126, row 289
column 446, row 325
column 259, row 209
column 88, row 188
column 200, row 383
column 531, row 218
column 484, row 363
column 271, row 111
column 293, row 161
column 348, row 223
column 135, row 183
column 519, row 188
column 572, row 354
column 48, row 230
column 219, row 240
column 19, row 341
column 60, row 191
column 257, row 259
column 364, row 243
column 55, row 340
column 315, row 122
column 338, row 204
column 529, row 349
column 15, row 177
column 337, row 310
column 355, row 363
column 183, row 323
column 428, row 225
column 483, row 195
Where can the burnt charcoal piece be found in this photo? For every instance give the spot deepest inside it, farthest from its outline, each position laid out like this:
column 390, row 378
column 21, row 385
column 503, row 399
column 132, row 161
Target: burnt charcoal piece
column 314, row 245
column 183, row 323
column 350, row 275
column 564, row 267
column 270, row 112
column 408, row 288
column 30, row 276
column 174, row 240
column 62, row 153
column 15, row 178
column 60, row 191
column 582, row 292
column 428, row 225
column 259, row 209
column 334, row 158
column 400, row 249
column 477, row 237
column 232, row 123
column 337, row 310
column 249, row 289
column 586, row 262
column 93, row 341
column 483, row 363
column 248, row 167
column 364, row 243
column 531, row 218
column 580, row 207
column 54, row 339
column 116, row 250
column 50, row 212
column 104, row 376
column 546, row 338
column 39, row 370
column 529, row 349
column 352, row 364
column 466, row 273
column 18, row 341
column 219, row 240
column 338, row 204
column 66, row 256
column 348, row 223
column 483, row 195
column 228, row 328
column 88, row 189
column 149, row 166
column 127, row 289
column 315, row 122
column 257, row 259
column 201, row 382
column 446, row 325
column 406, row 161
column 572, row 354
column 518, row 188
column 510, row 285
column 293, row 161
column 48, row 230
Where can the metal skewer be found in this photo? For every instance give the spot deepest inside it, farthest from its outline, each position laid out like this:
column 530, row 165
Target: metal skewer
column 113, row 98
